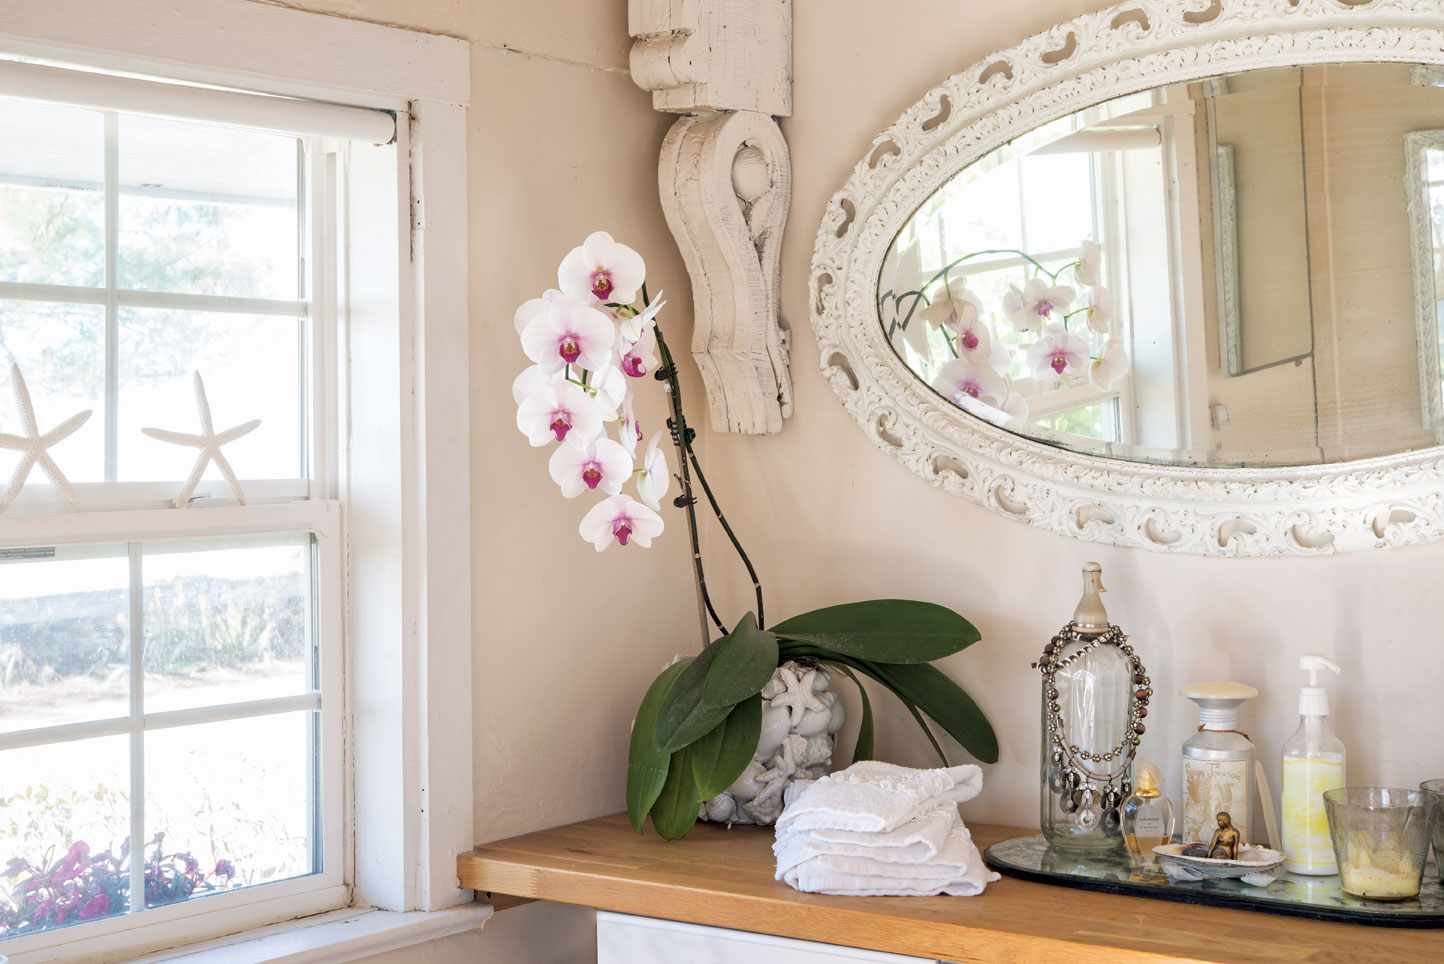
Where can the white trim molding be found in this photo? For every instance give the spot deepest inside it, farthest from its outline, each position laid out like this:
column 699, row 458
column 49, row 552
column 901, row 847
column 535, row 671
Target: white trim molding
column 1294, row 511
column 404, row 430
column 726, row 182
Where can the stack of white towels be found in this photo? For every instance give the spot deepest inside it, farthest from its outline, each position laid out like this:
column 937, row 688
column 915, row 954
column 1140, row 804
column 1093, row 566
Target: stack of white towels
column 876, row 829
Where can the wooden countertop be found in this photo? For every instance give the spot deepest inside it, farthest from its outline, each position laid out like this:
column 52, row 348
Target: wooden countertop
column 724, row 878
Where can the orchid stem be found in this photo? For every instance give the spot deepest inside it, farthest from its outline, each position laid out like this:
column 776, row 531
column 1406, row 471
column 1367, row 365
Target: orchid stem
column 678, row 424
column 736, row 544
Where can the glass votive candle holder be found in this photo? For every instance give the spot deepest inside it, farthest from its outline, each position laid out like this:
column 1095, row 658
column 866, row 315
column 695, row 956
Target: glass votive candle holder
column 1436, row 787
column 1381, row 839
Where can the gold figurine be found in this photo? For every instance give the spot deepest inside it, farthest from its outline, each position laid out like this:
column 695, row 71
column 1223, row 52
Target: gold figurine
column 1226, row 839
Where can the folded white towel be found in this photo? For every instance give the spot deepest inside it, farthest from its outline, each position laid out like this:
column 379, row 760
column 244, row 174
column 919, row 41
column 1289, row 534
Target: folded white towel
column 958, row 870
column 878, row 797
column 920, row 839
column 876, row 829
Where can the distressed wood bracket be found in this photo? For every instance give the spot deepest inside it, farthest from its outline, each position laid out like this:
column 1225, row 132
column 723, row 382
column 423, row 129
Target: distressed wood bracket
column 726, row 182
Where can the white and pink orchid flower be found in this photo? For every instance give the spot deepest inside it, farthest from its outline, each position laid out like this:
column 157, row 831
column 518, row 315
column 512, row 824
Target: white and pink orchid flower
column 1035, row 305
column 908, row 274
column 621, row 519
column 533, row 307
column 611, row 389
column 641, row 357
column 530, row 381
column 959, row 312
column 654, row 479
column 602, row 269
column 963, row 378
column 630, row 328
column 1108, row 366
column 559, row 411
column 629, row 433
column 1100, row 309
column 601, row 464
column 1090, row 260
column 565, row 333
column 1015, row 406
column 1057, row 350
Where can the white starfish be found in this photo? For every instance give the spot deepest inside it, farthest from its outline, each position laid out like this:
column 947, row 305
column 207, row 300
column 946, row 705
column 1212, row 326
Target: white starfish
column 799, row 697
column 34, row 445
column 209, row 442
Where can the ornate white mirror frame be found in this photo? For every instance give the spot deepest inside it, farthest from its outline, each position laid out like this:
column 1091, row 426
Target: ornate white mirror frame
column 1302, row 511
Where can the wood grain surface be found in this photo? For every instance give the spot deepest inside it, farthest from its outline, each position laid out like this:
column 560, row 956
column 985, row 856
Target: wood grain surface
column 724, row 878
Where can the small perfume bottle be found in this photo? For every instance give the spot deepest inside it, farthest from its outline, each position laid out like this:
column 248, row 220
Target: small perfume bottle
column 1147, row 815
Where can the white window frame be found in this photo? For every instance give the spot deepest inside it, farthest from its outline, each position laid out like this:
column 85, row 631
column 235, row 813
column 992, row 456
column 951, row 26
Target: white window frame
column 403, row 467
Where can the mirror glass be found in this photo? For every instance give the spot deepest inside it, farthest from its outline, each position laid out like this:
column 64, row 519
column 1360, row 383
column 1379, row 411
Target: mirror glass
column 1244, row 270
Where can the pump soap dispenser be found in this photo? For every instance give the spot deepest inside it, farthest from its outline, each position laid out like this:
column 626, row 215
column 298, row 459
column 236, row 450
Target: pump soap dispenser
column 1313, row 763
column 1217, row 762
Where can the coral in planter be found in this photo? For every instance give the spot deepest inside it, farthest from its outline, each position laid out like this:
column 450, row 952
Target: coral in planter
column 800, row 720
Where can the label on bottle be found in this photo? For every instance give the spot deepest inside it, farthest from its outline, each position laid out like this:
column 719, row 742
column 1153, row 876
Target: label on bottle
column 1307, row 846
column 1212, row 786
column 1149, row 825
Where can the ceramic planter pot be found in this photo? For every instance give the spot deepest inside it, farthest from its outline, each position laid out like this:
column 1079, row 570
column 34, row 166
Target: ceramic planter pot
column 800, row 720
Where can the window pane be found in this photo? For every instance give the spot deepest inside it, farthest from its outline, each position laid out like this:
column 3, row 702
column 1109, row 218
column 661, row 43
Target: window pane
column 207, row 210
column 1057, row 200
column 226, row 625
column 234, row 796
column 64, row 637
column 252, row 369
column 1098, row 421
column 61, row 352
column 65, row 802
column 52, row 209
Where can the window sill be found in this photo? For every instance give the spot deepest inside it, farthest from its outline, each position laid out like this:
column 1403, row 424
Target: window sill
column 340, row 936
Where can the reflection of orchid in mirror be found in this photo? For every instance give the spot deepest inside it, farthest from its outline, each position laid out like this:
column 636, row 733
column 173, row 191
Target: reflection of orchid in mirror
column 937, row 310
column 1057, row 350
column 1037, row 304
column 1109, row 366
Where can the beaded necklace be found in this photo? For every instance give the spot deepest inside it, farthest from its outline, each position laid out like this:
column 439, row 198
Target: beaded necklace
column 1083, row 780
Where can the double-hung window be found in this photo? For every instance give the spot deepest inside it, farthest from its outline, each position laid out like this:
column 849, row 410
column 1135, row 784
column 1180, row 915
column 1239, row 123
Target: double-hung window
column 171, row 699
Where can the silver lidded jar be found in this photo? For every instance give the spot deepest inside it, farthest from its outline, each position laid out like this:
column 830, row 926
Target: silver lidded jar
column 1095, row 695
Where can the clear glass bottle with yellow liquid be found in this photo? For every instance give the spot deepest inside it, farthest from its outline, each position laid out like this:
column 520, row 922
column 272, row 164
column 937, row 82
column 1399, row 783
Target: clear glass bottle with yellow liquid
column 1313, row 763
column 1147, row 815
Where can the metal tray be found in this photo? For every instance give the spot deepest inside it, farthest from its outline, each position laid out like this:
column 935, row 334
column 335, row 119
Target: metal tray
column 1294, row 895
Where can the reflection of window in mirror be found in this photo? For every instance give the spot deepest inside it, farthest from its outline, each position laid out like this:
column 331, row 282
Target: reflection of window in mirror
column 1022, row 214
column 1424, row 182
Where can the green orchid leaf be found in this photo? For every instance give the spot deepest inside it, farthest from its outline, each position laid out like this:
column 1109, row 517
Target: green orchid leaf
column 746, row 659
column 675, row 811
column 646, row 765
column 883, row 630
column 719, row 758
column 930, row 690
column 863, row 750
column 681, row 717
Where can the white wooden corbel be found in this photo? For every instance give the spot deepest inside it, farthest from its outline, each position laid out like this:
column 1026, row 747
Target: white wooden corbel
column 726, row 182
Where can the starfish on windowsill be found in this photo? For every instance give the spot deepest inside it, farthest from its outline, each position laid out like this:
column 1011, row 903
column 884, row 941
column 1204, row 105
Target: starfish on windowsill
column 209, row 442
column 34, row 446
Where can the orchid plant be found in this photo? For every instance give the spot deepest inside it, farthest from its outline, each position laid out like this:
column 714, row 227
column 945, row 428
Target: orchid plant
column 978, row 364
column 591, row 341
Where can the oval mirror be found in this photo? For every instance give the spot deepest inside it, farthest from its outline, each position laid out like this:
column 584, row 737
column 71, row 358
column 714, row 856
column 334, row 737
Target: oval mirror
column 1169, row 275
column 1233, row 271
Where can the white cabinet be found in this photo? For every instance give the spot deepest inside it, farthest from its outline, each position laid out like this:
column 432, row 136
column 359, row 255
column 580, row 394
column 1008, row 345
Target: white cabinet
column 623, row 939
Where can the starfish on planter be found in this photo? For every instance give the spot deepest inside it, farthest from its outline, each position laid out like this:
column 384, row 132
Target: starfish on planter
column 799, row 697
column 209, row 442
column 35, row 446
